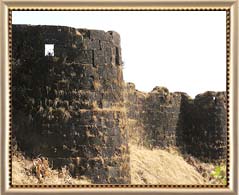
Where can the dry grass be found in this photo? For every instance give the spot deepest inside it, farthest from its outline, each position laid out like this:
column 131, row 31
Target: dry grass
column 96, row 84
column 148, row 166
column 24, row 173
column 161, row 167
column 95, row 105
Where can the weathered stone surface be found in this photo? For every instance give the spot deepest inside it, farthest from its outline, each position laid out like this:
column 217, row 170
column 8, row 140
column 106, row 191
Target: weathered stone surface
column 75, row 109
column 162, row 111
column 155, row 114
column 203, row 127
column 134, row 103
column 69, row 107
column 164, row 119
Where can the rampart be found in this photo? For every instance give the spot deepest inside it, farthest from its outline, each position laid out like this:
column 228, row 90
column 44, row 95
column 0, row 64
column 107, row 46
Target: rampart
column 163, row 119
column 73, row 106
column 69, row 107
column 203, row 126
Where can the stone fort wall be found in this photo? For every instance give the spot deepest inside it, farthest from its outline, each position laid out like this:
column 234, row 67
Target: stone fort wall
column 69, row 107
column 75, row 108
column 163, row 119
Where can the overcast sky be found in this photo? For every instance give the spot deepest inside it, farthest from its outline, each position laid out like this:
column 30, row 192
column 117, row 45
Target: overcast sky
column 181, row 50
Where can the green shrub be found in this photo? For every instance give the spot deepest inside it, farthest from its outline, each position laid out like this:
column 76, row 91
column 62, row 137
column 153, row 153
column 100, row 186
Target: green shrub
column 219, row 174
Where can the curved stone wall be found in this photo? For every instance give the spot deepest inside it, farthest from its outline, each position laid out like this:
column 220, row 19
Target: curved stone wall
column 163, row 119
column 70, row 106
column 75, row 109
column 204, row 126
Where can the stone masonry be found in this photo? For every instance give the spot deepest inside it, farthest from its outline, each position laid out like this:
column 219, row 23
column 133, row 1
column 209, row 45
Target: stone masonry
column 163, row 119
column 73, row 106
column 69, row 107
column 203, row 129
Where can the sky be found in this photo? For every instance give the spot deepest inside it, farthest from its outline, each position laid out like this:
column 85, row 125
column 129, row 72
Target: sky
column 180, row 50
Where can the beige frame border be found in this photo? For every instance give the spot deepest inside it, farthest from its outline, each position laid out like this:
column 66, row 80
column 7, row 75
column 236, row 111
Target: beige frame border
column 227, row 10
column 108, row 4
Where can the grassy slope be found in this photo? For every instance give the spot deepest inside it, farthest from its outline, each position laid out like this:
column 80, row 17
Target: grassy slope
column 161, row 167
column 22, row 174
column 147, row 167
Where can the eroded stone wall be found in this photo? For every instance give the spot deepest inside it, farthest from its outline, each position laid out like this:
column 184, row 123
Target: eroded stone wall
column 203, row 128
column 69, row 107
column 75, row 109
column 135, row 109
column 153, row 116
column 163, row 119
column 162, row 110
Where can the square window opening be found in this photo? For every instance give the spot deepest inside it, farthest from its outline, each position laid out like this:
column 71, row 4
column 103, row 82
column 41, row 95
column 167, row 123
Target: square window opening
column 49, row 49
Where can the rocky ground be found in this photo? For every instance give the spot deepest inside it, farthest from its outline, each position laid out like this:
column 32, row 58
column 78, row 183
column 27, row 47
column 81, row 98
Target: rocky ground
column 148, row 166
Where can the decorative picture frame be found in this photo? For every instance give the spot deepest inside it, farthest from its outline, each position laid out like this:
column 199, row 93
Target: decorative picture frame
column 231, row 8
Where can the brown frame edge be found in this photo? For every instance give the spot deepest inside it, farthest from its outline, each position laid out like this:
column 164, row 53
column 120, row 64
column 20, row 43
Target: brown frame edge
column 231, row 67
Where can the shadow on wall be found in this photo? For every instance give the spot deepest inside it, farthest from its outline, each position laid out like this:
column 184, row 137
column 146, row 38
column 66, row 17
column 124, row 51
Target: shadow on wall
column 163, row 119
column 202, row 129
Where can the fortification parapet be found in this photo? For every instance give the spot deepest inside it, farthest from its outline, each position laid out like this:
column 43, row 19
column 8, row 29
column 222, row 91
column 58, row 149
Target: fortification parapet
column 205, row 129
column 68, row 105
